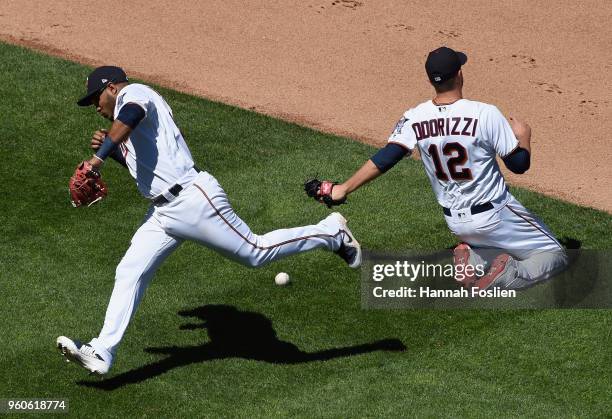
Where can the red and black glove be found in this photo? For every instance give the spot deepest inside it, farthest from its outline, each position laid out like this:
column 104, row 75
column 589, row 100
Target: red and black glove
column 86, row 186
column 321, row 191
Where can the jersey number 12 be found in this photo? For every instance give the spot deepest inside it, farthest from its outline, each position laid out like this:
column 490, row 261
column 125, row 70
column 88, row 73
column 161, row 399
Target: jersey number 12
column 456, row 172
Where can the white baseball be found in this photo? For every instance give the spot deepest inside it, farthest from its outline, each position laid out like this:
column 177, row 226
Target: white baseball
column 281, row 278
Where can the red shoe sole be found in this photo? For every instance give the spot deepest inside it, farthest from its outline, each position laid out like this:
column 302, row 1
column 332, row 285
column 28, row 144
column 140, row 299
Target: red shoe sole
column 461, row 257
column 497, row 268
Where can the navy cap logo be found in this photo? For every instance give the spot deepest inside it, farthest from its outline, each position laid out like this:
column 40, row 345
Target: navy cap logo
column 98, row 79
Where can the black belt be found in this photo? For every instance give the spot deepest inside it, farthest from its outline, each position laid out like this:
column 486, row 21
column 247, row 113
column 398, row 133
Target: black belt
column 160, row 199
column 476, row 209
column 175, row 190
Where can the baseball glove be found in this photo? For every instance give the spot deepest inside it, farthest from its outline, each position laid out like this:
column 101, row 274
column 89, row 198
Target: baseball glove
column 86, row 186
column 321, row 191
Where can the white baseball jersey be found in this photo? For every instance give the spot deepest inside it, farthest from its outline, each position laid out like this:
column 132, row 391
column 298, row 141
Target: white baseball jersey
column 458, row 143
column 155, row 152
column 158, row 158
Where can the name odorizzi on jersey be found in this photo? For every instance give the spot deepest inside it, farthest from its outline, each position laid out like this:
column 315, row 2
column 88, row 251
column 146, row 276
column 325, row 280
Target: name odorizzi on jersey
column 442, row 127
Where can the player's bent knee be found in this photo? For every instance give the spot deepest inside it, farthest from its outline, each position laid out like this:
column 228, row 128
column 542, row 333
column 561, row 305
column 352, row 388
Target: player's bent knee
column 257, row 256
column 251, row 260
column 561, row 259
column 549, row 264
column 250, row 263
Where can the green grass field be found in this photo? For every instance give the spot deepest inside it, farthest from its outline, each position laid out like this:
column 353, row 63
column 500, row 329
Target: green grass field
column 57, row 270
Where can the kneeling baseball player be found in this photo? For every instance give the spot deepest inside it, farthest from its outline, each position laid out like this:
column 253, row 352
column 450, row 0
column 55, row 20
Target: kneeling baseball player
column 186, row 204
column 458, row 140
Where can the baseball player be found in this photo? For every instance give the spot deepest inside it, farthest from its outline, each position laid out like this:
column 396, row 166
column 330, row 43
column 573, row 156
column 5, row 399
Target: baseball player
column 186, row 204
column 458, row 140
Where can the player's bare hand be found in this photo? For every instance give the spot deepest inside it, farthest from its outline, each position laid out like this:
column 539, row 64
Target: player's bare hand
column 98, row 138
column 520, row 128
column 338, row 192
column 522, row 131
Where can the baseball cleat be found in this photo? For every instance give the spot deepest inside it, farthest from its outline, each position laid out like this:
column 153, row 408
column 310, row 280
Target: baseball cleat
column 350, row 249
column 498, row 269
column 83, row 354
column 461, row 257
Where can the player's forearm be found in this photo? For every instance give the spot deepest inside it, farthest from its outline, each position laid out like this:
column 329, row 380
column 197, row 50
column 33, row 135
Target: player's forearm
column 523, row 135
column 383, row 160
column 117, row 134
column 525, row 141
column 522, row 132
column 366, row 173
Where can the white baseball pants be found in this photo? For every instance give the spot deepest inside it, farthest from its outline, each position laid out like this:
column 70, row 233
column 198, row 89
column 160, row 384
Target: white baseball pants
column 511, row 228
column 201, row 213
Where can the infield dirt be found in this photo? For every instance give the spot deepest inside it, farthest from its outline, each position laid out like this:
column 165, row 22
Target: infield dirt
column 352, row 67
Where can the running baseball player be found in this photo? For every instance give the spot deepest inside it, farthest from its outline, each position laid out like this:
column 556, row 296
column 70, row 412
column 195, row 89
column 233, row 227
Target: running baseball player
column 458, row 140
column 186, row 204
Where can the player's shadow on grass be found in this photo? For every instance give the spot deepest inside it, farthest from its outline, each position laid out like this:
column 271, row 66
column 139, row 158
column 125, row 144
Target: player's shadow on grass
column 234, row 334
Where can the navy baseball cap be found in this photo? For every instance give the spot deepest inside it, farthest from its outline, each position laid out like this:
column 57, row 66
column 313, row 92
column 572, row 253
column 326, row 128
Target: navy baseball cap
column 443, row 64
column 99, row 79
